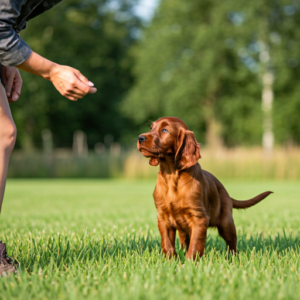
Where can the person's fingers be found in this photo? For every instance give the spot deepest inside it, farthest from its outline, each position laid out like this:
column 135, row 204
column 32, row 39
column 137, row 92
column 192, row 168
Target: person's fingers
column 92, row 90
column 15, row 96
column 9, row 85
column 71, row 97
column 84, row 84
column 83, row 78
column 81, row 86
column 75, row 86
column 17, row 87
column 67, row 91
column 76, row 96
column 3, row 74
column 77, row 92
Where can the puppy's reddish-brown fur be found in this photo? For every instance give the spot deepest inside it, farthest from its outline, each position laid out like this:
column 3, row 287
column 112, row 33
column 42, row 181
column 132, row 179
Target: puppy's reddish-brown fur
column 187, row 198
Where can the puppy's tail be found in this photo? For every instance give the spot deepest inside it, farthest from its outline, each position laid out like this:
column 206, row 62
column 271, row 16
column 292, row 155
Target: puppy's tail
column 248, row 203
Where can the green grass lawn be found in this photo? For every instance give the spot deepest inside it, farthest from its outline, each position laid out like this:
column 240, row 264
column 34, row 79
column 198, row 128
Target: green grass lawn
column 78, row 239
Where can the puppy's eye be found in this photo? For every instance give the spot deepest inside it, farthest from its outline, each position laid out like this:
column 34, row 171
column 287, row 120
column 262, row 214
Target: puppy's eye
column 164, row 130
column 151, row 128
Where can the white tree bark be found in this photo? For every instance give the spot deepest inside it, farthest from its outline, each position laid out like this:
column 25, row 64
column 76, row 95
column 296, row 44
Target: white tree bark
column 80, row 147
column 267, row 103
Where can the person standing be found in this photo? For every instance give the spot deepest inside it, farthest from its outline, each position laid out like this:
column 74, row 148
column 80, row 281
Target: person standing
column 15, row 54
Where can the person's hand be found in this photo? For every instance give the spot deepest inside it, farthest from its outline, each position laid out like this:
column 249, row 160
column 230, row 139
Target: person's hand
column 70, row 82
column 13, row 83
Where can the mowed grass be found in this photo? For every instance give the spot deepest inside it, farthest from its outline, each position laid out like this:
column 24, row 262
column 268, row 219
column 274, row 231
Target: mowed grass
column 98, row 239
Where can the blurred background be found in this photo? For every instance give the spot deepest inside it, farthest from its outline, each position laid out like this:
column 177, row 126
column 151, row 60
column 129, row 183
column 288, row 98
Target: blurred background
column 229, row 69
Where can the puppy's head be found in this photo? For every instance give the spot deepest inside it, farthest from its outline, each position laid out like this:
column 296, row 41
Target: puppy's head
column 169, row 137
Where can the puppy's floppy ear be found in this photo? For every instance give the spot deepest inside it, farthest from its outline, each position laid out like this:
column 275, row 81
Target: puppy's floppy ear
column 153, row 161
column 187, row 150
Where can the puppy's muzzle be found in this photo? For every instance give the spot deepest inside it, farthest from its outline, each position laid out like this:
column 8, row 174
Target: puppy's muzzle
column 142, row 138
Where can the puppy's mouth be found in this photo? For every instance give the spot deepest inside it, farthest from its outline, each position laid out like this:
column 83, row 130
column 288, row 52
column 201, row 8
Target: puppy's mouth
column 153, row 156
column 149, row 152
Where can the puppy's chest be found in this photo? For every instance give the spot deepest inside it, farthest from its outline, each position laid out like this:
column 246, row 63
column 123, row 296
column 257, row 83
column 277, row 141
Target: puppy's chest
column 176, row 215
column 171, row 205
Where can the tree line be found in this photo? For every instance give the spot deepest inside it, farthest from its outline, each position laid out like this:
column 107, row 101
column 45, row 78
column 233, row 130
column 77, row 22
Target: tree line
column 229, row 69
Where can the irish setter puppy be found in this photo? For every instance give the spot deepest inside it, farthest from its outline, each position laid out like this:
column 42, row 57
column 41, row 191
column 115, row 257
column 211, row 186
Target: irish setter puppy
column 187, row 198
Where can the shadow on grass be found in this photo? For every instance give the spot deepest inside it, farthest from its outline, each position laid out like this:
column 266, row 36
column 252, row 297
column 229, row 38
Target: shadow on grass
column 59, row 252
column 280, row 244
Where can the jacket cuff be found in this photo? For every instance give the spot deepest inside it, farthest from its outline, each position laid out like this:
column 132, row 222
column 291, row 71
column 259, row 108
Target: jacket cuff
column 16, row 54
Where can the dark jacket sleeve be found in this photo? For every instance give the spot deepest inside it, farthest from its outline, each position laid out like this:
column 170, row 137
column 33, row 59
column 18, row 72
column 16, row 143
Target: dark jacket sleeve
column 13, row 50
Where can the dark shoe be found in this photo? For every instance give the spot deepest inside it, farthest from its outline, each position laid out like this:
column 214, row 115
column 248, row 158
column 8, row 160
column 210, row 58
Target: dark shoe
column 6, row 263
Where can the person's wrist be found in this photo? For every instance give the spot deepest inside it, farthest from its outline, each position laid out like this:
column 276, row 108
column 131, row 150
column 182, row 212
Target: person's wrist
column 52, row 70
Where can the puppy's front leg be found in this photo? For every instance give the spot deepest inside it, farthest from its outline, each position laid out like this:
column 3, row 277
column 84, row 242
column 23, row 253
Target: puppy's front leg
column 168, row 235
column 184, row 239
column 198, row 238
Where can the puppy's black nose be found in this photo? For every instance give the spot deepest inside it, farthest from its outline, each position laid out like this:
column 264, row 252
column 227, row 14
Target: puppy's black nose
column 142, row 138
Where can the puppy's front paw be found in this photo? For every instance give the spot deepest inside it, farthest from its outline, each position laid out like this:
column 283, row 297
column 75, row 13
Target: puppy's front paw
column 169, row 253
column 194, row 255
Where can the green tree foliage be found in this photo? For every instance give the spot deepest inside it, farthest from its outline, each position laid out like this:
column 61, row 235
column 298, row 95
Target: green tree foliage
column 94, row 37
column 203, row 61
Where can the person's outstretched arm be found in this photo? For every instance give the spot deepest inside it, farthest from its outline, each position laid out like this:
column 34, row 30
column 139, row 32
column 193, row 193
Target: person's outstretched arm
column 68, row 81
column 15, row 52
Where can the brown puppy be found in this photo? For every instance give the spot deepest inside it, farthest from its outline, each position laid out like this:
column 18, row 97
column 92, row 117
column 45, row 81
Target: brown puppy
column 187, row 198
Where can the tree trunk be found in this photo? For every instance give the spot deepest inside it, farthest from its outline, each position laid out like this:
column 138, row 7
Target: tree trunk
column 267, row 102
column 213, row 129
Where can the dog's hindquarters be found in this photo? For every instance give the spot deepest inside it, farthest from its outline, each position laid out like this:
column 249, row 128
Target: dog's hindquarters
column 226, row 226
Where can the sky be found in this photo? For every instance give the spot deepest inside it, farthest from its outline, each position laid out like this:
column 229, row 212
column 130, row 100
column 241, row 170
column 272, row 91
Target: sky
column 145, row 8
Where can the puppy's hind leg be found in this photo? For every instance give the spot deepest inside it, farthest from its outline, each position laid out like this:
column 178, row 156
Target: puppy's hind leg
column 228, row 233
column 226, row 225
